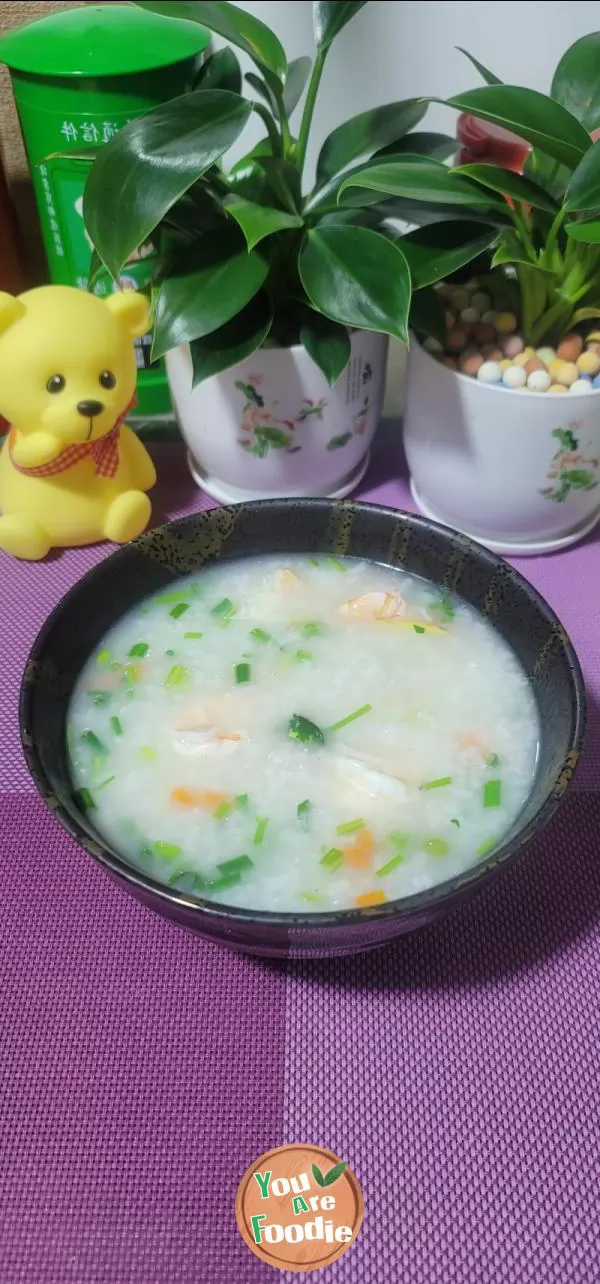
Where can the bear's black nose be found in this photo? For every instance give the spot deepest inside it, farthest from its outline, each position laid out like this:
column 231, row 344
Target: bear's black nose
column 90, row 408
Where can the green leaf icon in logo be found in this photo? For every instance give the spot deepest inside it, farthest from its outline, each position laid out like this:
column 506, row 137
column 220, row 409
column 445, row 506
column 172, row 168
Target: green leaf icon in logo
column 318, row 1175
column 329, row 1178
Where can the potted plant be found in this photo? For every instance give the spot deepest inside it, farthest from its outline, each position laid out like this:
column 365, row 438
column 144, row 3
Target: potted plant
column 502, row 422
column 272, row 305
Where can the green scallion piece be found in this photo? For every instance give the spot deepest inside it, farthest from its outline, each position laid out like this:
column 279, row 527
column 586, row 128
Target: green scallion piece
column 91, row 740
column 147, row 752
column 241, row 800
column 226, row 880
column 419, row 628
column 180, row 609
column 97, row 763
column 85, row 799
column 443, row 607
column 224, row 610
column 485, row 848
column 177, row 676
column 493, row 760
column 305, row 731
column 301, row 657
column 100, row 697
column 169, row 850
column 312, row 629
column 332, row 859
column 115, row 665
column 455, row 822
column 303, row 811
column 398, row 838
column 192, row 635
column 261, row 635
column 312, row 898
column 104, row 656
column 242, row 673
column 350, row 827
column 492, row 793
column 169, row 652
column 139, row 648
column 358, row 713
column 390, row 865
column 131, row 674
column 175, row 596
column 436, row 846
column 236, row 866
column 336, row 564
column 187, row 880
column 104, row 783
column 260, row 831
column 313, row 561
column 223, row 810
column 440, row 783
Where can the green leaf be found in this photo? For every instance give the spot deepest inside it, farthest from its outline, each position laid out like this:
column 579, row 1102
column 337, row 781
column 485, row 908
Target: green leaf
column 583, row 192
column 488, row 76
column 547, row 173
column 427, row 315
column 419, row 178
column 334, row 1173
column 151, row 162
column 233, row 342
column 510, row 184
column 221, row 71
column 587, row 231
column 318, row 1175
column 584, row 314
column 576, row 81
column 510, row 250
column 434, row 252
column 531, row 115
column 262, row 89
column 284, row 181
column 328, row 343
column 357, row 277
column 298, row 73
column 421, row 143
column 330, row 17
column 259, row 221
column 234, row 25
column 247, row 177
column 364, row 134
column 217, row 279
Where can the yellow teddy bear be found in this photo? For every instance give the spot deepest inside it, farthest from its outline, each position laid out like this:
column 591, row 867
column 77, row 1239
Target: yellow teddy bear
column 71, row 472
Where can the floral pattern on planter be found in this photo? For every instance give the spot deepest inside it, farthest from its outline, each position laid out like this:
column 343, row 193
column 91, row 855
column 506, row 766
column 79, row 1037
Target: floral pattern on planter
column 570, row 469
column 264, row 431
column 360, row 423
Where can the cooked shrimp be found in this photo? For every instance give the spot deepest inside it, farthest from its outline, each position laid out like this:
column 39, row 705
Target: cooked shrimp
column 375, row 606
column 375, row 783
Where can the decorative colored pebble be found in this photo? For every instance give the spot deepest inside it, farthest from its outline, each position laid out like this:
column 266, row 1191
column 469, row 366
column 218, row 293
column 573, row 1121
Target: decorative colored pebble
column 593, row 336
column 432, row 345
column 581, row 386
column 460, row 299
column 539, row 381
column 588, row 363
column 489, row 372
column 514, row 377
column 457, row 339
column 505, row 364
column 534, row 363
column 490, row 317
column 450, row 320
column 449, row 362
column 570, row 347
column 512, row 345
column 546, row 355
column 554, row 366
column 557, row 387
column 484, row 332
column 505, row 323
column 567, row 373
column 470, row 363
column 470, row 316
column 481, row 301
column 596, row 382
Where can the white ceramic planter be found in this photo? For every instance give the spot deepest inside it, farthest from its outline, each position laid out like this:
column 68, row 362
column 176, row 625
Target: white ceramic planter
column 272, row 426
column 519, row 471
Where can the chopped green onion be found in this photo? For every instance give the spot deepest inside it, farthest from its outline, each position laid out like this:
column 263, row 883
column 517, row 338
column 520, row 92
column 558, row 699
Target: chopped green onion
column 241, row 800
column 85, row 799
column 313, row 561
column 261, row 635
column 100, row 697
column 224, row 610
column 223, row 810
column 114, row 666
column 242, row 673
column 440, row 783
column 192, row 635
column 147, row 752
column 444, row 607
column 302, row 656
column 350, row 827
column 493, row 760
column 186, row 880
column 336, row 564
column 180, row 609
column 91, row 740
column 398, row 838
column 97, row 762
column 169, row 850
column 169, row 652
column 177, row 676
column 332, row 858
column 176, row 596
column 485, row 848
column 139, row 648
column 492, row 791
column 226, row 880
column 303, row 811
column 131, row 674
column 313, row 629
column 260, row 831
column 104, row 656
column 436, row 846
column 305, row 731
column 108, row 781
column 358, row 713
column 419, row 628
column 312, row 898
column 236, row 866
column 390, row 865
column 455, row 822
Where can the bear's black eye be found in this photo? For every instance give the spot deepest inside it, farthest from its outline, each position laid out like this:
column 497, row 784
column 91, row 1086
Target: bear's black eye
column 56, row 383
column 107, row 379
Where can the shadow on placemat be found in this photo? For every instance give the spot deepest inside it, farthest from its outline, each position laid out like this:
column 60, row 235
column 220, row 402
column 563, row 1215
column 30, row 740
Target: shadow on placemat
column 534, row 911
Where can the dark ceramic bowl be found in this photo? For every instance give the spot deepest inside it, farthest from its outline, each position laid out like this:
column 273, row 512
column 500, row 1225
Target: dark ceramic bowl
column 441, row 555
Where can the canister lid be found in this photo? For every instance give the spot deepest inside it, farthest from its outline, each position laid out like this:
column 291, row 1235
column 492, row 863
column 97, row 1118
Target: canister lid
column 101, row 40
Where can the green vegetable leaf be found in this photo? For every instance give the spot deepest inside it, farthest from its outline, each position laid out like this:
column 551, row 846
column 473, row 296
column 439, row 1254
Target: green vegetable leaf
column 576, row 81
column 221, row 71
column 364, row 134
column 305, row 731
column 488, row 76
column 234, row 25
column 510, row 184
column 357, row 277
column 422, row 179
column 218, row 280
column 298, row 73
column 318, row 1175
column 233, row 342
column 329, row 17
column 151, row 162
column 259, row 221
column 334, row 1173
column 583, row 191
column 531, row 115
column 328, row 343
column 434, row 252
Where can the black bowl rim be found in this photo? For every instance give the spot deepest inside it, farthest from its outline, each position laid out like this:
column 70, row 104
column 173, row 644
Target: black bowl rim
column 433, row 898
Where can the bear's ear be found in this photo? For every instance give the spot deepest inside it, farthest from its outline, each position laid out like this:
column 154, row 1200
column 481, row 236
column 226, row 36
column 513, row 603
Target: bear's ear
column 10, row 310
column 132, row 309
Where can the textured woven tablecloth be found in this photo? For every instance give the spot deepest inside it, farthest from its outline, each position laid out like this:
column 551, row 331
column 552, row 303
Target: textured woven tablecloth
column 142, row 1070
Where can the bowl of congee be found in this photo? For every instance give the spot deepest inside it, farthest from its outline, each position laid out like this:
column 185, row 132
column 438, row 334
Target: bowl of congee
column 302, row 727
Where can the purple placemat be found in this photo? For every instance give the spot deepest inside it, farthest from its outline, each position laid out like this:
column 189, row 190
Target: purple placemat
column 142, row 1070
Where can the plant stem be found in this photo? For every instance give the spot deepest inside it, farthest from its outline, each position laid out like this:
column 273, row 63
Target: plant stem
column 546, row 258
column 271, row 128
column 520, row 222
column 309, row 107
